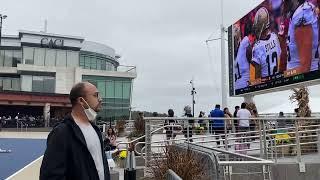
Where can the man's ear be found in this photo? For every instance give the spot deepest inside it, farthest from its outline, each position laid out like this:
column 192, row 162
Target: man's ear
column 81, row 101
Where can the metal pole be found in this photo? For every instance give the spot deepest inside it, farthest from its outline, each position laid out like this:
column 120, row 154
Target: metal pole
column 148, row 145
column 224, row 88
column 0, row 29
column 260, row 137
column 298, row 141
column 225, row 135
column 264, row 140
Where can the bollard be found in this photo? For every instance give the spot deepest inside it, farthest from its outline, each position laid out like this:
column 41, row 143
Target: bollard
column 130, row 170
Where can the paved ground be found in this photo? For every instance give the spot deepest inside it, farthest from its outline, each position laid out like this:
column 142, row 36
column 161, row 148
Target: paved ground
column 24, row 151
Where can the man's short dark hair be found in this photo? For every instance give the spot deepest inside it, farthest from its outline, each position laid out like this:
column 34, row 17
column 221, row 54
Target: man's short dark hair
column 236, row 107
column 217, row 106
column 243, row 105
column 76, row 92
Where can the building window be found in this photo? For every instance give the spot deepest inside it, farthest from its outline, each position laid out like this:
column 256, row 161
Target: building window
column 39, row 55
column 97, row 62
column 10, row 84
column 43, row 84
column 61, row 58
column 28, row 55
column 26, row 83
column 17, row 56
column 115, row 93
column 72, row 59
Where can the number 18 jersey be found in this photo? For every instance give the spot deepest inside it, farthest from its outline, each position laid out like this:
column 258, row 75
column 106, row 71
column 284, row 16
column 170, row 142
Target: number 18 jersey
column 266, row 53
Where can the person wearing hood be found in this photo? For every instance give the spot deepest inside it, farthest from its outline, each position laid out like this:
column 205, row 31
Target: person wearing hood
column 75, row 146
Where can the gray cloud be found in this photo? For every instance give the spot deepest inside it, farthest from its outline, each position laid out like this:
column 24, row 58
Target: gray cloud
column 164, row 39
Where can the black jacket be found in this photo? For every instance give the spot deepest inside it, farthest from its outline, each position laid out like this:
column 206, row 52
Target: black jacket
column 67, row 156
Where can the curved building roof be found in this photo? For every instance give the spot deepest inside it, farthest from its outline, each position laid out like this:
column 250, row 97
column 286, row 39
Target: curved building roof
column 98, row 48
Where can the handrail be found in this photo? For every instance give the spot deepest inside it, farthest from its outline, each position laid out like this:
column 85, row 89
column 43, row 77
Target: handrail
column 152, row 132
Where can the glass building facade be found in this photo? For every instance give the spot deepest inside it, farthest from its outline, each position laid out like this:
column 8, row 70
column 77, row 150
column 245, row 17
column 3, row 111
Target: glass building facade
column 49, row 64
column 115, row 93
column 50, row 57
column 97, row 61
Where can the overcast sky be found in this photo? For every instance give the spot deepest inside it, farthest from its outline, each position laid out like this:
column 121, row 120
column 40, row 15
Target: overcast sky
column 164, row 39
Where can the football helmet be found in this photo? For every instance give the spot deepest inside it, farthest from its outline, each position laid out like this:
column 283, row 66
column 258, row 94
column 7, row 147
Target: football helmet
column 261, row 22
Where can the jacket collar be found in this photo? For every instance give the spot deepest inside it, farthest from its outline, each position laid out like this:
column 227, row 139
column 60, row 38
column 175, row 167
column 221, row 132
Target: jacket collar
column 75, row 128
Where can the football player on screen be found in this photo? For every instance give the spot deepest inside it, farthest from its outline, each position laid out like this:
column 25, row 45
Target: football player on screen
column 303, row 36
column 266, row 51
column 243, row 57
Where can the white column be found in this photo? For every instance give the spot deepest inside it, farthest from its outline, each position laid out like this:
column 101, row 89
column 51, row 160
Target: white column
column 46, row 114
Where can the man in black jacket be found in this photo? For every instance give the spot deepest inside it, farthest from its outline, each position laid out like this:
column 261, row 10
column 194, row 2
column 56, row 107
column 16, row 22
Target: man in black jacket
column 75, row 147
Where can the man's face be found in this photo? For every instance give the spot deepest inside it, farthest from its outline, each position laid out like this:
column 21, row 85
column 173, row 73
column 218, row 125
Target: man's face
column 92, row 97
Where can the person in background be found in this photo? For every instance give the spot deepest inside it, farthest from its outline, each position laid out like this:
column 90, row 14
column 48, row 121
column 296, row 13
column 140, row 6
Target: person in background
column 170, row 130
column 201, row 122
column 190, row 123
column 244, row 125
column 111, row 136
column 228, row 117
column 236, row 121
column 217, row 125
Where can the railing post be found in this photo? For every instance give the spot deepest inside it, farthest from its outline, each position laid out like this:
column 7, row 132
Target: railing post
column 260, row 137
column 298, row 140
column 264, row 140
column 225, row 135
column 188, row 140
column 147, row 144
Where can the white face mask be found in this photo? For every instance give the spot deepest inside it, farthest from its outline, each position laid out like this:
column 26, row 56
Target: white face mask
column 90, row 113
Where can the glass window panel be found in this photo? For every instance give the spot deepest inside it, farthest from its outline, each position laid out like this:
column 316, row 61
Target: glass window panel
column 26, row 83
column 8, row 55
column 28, row 55
column 39, row 54
column 1, row 84
column 109, row 89
column 93, row 63
column 118, row 89
column 87, row 62
column 1, row 57
column 16, row 58
column 101, row 85
column 72, row 59
column 6, row 84
column 103, row 65
column 50, row 57
column 61, row 58
column 81, row 63
column 49, row 84
column 15, row 84
column 126, row 90
column 98, row 64
column 37, row 83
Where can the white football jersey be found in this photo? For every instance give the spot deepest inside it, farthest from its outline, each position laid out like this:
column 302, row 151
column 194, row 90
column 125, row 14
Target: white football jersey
column 241, row 66
column 304, row 15
column 266, row 53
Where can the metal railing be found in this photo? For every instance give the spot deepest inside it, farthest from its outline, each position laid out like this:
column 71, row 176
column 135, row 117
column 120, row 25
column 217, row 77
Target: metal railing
column 270, row 138
column 229, row 165
column 171, row 175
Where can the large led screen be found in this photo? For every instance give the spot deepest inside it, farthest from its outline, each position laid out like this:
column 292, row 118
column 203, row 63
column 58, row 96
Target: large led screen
column 274, row 45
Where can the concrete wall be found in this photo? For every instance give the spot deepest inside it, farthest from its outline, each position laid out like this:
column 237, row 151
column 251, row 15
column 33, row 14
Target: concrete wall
column 291, row 172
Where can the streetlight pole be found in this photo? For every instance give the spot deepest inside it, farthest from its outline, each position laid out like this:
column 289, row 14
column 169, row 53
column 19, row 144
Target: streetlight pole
column 2, row 17
column 224, row 89
column 193, row 92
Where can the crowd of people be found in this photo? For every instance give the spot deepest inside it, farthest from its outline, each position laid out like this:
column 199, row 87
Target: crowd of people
column 25, row 120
